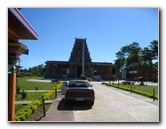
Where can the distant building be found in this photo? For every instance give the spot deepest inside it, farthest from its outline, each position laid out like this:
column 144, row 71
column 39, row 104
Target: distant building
column 135, row 71
column 74, row 68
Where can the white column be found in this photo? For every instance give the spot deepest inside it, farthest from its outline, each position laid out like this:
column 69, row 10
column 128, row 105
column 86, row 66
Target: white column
column 83, row 49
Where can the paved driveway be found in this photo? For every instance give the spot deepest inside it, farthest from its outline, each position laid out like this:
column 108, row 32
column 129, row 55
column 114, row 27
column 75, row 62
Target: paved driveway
column 111, row 105
column 39, row 80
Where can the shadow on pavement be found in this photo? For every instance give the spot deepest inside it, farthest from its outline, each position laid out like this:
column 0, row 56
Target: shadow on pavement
column 73, row 105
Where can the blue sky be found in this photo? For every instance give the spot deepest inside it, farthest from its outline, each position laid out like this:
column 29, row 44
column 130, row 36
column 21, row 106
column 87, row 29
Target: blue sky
column 106, row 30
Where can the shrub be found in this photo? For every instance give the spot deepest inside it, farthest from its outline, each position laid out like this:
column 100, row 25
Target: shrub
column 54, row 80
column 36, row 102
column 47, row 95
column 126, row 83
column 33, row 108
column 22, row 117
column 17, row 118
column 89, row 79
column 17, row 89
column 36, row 87
column 24, row 94
column 24, row 113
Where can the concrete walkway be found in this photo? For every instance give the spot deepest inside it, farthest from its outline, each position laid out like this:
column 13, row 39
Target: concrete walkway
column 36, row 90
column 111, row 105
column 39, row 80
column 27, row 102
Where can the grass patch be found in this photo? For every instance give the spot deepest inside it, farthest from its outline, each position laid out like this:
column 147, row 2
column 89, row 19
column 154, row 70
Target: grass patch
column 31, row 110
column 143, row 90
column 30, row 96
column 30, row 85
column 18, row 107
column 23, row 84
column 147, row 89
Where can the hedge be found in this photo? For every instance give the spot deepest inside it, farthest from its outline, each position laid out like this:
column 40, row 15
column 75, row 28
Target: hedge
column 29, row 109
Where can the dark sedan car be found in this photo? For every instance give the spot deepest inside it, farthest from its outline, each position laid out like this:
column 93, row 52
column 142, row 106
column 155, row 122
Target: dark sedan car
column 79, row 90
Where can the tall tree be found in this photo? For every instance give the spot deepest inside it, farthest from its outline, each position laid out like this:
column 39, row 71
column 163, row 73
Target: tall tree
column 146, row 56
column 133, row 53
column 118, row 65
column 38, row 70
column 129, row 54
column 154, row 48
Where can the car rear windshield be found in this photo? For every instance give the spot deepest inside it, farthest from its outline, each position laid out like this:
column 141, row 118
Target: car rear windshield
column 79, row 84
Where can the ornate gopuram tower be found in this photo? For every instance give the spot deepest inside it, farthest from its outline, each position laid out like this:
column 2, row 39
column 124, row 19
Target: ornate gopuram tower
column 77, row 65
column 80, row 63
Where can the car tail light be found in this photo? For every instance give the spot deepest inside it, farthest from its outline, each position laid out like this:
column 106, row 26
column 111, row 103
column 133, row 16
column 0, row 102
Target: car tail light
column 68, row 93
column 91, row 93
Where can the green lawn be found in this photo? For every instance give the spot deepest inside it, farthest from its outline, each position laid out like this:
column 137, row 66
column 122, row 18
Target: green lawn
column 147, row 89
column 29, row 85
column 30, row 96
column 142, row 89
column 18, row 107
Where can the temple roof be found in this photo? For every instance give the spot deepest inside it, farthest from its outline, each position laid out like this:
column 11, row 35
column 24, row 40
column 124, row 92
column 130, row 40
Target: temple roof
column 56, row 62
column 19, row 26
column 67, row 62
column 101, row 63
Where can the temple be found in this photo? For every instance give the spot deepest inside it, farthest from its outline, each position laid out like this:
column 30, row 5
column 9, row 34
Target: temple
column 80, row 63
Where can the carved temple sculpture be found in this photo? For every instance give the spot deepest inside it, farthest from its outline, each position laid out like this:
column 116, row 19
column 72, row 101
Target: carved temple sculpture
column 79, row 63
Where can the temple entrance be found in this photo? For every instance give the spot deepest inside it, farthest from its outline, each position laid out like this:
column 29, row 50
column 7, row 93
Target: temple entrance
column 79, row 71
